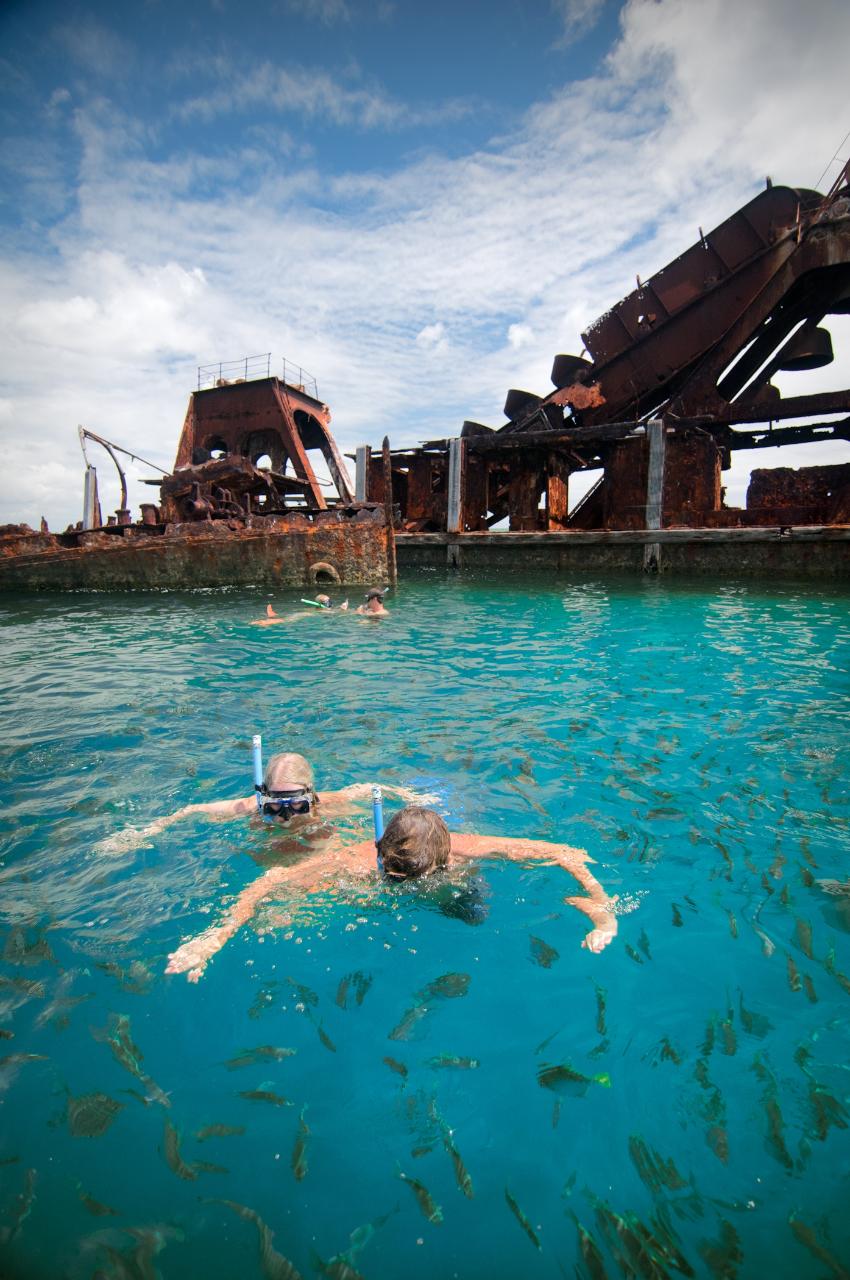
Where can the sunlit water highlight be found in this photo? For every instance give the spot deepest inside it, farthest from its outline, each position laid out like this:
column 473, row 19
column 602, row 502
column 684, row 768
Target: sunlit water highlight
column 693, row 739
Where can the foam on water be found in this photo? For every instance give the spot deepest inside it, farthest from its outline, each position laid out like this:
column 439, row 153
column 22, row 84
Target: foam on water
column 692, row 739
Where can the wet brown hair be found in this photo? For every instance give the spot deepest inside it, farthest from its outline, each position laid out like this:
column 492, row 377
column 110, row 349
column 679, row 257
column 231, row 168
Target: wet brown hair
column 415, row 842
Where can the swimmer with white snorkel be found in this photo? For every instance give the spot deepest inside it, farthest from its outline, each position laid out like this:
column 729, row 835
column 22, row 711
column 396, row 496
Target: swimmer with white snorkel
column 416, row 843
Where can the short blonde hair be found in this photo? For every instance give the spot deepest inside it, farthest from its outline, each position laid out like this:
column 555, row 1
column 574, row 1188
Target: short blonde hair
column 288, row 772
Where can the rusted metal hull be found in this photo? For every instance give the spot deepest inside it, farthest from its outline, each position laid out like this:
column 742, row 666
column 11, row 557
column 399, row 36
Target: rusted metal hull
column 199, row 555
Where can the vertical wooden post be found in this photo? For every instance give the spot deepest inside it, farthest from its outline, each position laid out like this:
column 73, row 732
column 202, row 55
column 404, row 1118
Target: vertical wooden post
column 557, row 491
column 454, row 499
column 392, row 568
column 361, row 473
column 656, row 432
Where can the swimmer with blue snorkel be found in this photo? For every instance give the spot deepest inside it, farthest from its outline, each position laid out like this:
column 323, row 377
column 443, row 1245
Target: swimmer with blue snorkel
column 284, row 790
column 415, row 844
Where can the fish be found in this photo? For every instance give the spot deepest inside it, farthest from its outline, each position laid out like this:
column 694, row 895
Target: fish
column 652, row 1169
column 273, row 1265
column 522, row 1220
column 462, row 1177
column 305, row 995
column 265, row 1095
column 802, row 1057
column 324, row 1037
column 6, row 1034
column 91, row 1114
column 803, row 935
column 448, row 1060
column 809, row 1240
column 409, row 1021
column 398, row 1067
column 263, row 999
column 708, row 1040
column 806, row 877
column 775, row 1125
column 424, row 1199
column 793, row 975
column 262, row 1053
column 342, row 990
column 810, row 989
column 11, row 1064
column 362, row 983
column 718, row 1139
column 542, row 953
column 55, row 1011
column 173, row 1158
column 18, row 950
column 643, row 944
column 589, row 1250
column 204, row 1166
column 336, row 1268
column 669, row 1053
column 730, row 1043
column 827, row 1111
column 94, row 1207
column 755, row 1024
column 117, row 1035
column 299, row 1151
column 448, row 987
column 701, row 1073
column 677, row 917
column 601, row 994
column 723, row 1256
column 733, row 925
column 22, row 1208
column 419, row 1152
column 563, row 1078
column 219, row 1131
column 632, row 954
column 137, row 978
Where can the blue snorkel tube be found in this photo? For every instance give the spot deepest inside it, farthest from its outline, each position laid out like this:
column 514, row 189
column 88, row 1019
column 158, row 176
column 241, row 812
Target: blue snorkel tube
column 257, row 752
column 378, row 819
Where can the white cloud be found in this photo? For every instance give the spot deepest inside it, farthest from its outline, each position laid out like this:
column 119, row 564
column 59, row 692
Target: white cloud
column 97, row 49
column 175, row 259
column 578, row 17
column 325, row 11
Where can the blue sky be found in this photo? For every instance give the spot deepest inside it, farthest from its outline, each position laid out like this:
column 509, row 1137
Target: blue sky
column 419, row 204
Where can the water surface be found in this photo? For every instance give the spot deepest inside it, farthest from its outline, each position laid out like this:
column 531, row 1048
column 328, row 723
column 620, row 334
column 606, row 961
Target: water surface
column 692, row 739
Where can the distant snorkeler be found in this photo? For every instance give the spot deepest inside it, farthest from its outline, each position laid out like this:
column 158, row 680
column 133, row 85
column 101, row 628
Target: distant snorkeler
column 374, row 605
column 321, row 602
column 288, row 796
column 416, row 843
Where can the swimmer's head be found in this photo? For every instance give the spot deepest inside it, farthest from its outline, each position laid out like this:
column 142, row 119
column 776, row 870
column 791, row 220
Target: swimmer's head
column 288, row 772
column 415, row 843
column 324, row 601
column 375, row 594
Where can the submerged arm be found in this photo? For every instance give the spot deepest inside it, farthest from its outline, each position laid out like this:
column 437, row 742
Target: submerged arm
column 191, row 958
column 596, row 906
column 131, row 837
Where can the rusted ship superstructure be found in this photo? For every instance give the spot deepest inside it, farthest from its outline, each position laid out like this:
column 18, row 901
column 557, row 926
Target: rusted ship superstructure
column 243, row 503
column 672, row 380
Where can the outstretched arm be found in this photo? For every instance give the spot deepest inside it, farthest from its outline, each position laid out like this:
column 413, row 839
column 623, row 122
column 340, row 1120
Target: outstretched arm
column 363, row 791
column 191, row 958
column 132, row 837
column 596, row 906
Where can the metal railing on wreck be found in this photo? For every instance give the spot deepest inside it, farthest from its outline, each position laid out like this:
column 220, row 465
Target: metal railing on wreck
column 252, row 368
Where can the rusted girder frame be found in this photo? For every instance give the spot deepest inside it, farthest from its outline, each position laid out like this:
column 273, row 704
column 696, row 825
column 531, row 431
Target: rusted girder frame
column 767, row 439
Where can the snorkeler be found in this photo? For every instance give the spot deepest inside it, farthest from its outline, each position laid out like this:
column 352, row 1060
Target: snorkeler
column 374, row 606
column 321, row 602
column 416, row 843
column 287, row 794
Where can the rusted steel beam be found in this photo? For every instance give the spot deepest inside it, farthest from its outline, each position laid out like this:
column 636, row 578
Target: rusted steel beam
column 767, row 439
column 295, row 448
column 392, row 567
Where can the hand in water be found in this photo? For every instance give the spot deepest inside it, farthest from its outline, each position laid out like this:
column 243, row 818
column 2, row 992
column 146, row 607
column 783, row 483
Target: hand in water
column 597, row 940
column 124, row 841
column 192, row 957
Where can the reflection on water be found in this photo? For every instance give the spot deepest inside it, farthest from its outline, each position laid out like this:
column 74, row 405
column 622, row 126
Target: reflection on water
column 437, row 1082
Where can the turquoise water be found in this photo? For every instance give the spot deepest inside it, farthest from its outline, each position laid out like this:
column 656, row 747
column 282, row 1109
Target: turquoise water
column 692, row 739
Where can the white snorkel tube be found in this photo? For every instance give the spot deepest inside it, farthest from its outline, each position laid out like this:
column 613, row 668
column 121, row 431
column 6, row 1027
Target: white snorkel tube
column 257, row 752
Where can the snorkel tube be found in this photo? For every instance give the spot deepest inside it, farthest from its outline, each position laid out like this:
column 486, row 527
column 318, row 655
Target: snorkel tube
column 315, row 604
column 378, row 819
column 257, row 752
